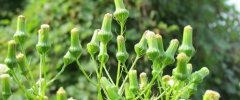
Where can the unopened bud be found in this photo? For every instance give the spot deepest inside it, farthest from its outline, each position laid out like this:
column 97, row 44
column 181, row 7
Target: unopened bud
column 198, row 76
column 61, row 94
column 43, row 44
column 168, row 80
column 128, row 93
column 187, row 46
column 75, row 48
column 20, row 35
column 22, row 63
column 160, row 44
column 122, row 54
column 133, row 81
column 141, row 47
column 170, row 52
column 181, row 72
column 11, row 60
column 68, row 58
column 152, row 51
column 3, row 69
column 211, row 95
column 105, row 34
column 143, row 80
column 93, row 45
column 121, row 14
column 103, row 56
column 6, row 87
column 112, row 92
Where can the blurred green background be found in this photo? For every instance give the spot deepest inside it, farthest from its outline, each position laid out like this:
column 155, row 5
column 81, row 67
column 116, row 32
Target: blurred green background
column 216, row 37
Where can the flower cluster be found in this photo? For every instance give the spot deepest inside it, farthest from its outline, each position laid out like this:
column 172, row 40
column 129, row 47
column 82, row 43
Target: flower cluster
column 182, row 84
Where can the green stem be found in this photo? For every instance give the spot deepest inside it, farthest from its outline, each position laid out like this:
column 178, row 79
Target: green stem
column 125, row 79
column 108, row 75
column 58, row 74
column 118, row 74
column 42, row 85
column 122, row 27
column 84, row 73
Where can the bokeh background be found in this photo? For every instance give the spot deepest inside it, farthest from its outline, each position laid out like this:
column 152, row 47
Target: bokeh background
column 216, row 25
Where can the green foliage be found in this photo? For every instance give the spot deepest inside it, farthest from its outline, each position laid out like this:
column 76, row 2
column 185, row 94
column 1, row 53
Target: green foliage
column 216, row 32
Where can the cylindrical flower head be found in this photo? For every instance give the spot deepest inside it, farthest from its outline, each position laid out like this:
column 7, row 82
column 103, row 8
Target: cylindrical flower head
column 188, row 90
column 103, row 56
column 133, row 81
column 75, row 48
column 61, row 94
column 187, row 46
column 170, row 52
column 113, row 93
column 128, row 93
column 211, row 95
column 105, row 34
column 153, row 50
column 105, row 82
column 143, row 80
column 43, row 44
column 6, row 86
column 121, row 14
column 20, row 35
column 93, row 45
column 122, row 54
column 11, row 60
column 68, row 58
column 181, row 72
column 141, row 47
column 3, row 69
column 22, row 63
column 160, row 44
column 168, row 80
column 198, row 76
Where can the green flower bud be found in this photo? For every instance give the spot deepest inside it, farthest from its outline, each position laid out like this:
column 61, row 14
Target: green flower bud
column 68, row 58
column 43, row 44
column 93, row 45
column 153, row 50
column 170, row 52
column 20, row 35
column 113, row 93
column 141, row 47
column 61, row 94
column 105, row 82
column 133, row 81
column 105, row 34
column 211, row 95
column 181, row 72
column 3, row 69
column 128, row 94
column 168, row 80
column 143, row 80
column 198, row 76
column 187, row 46
column 103, row 56
column 110, row 89
column 122, row 54
column 75, row 48
column 11, row 60
column 160, row 45
column 22, row 63
column 6, row 87
column 121, row 14
column 187, row 91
